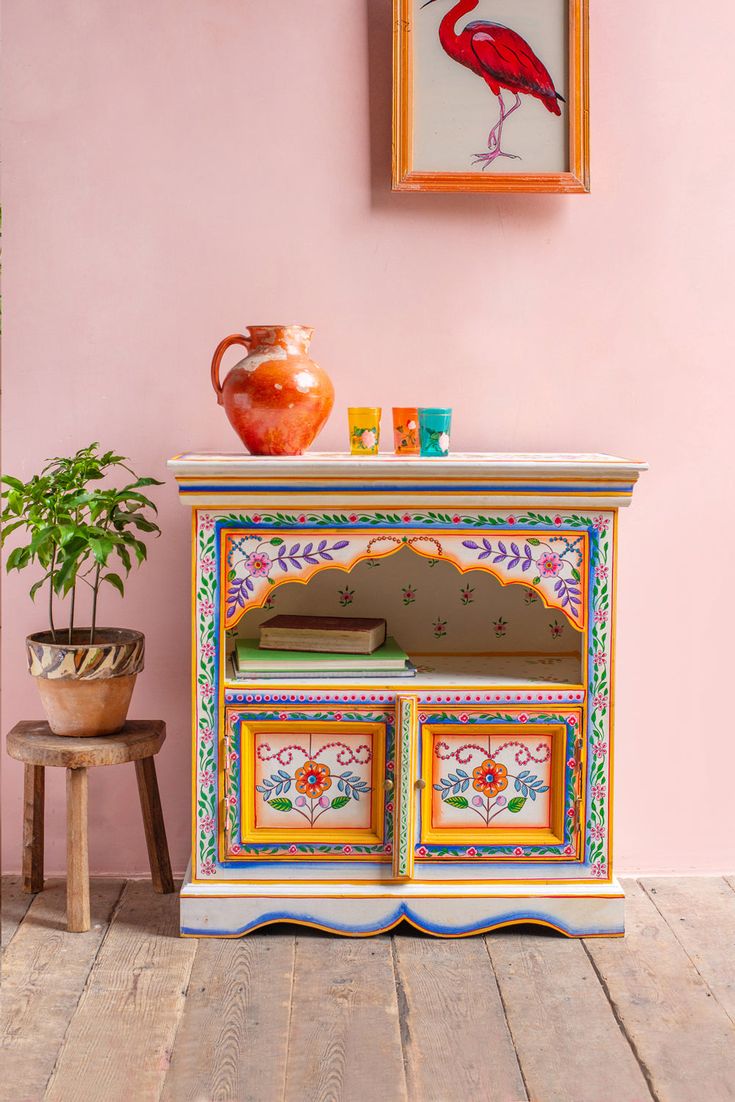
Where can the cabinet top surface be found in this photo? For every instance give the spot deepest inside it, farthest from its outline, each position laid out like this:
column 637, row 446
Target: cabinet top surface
column 376, row 468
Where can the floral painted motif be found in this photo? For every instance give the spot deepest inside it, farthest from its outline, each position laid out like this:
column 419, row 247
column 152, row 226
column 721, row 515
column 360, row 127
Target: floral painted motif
column 500, row 627
column 556, row 557
column 467, row 594
column 269, row 558
column 440, row 628
column 312, row 780
column 490, row 777
column 346, row 596
column 530, row 597
column 556, row 629
column 409, row 594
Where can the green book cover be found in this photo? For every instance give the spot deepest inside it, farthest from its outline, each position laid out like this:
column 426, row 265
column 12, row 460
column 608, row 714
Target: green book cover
column 249, row 656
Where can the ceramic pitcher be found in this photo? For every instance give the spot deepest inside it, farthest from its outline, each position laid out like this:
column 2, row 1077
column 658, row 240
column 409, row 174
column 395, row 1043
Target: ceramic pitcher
column 277, row 399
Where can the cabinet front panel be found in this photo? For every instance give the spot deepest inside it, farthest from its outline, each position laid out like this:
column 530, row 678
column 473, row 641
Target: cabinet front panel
column 308, row 785
column 500, row 785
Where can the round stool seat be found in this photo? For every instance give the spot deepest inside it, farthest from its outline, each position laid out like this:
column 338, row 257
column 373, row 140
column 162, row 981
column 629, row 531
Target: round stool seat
column 33, row 743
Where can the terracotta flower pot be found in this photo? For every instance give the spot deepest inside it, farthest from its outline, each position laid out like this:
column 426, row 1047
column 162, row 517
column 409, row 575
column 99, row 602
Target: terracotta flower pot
column 277, row 399
column 86, row 690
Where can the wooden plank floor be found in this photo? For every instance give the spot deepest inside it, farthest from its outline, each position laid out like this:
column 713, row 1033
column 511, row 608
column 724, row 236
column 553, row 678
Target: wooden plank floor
column 129, row 1012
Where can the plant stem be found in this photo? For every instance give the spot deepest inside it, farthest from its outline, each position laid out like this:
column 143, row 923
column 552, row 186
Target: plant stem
column 94, row 603
column 71, row 614
column 51, row 595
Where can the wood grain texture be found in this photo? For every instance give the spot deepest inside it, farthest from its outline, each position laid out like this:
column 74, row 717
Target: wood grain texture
column 120, row 1038
column 344, row 1038
column 681, row 1035
column 562, row 1024
column 34, row 786
column 154, row 825
column 232, row 1038
column 77, row 851
column 701, row 914
column 14, row 902
column 31, row 741
column 44, row 970
column 455, row 1036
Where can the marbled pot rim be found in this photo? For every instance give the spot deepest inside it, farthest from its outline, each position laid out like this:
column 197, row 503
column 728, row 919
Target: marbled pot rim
column 116, row 652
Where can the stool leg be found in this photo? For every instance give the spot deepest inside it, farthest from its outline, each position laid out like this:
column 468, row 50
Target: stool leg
column 33, row 799
column 155, row 828
column 77, row 856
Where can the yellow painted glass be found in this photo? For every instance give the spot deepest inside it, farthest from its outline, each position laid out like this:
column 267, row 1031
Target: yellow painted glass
column 364, row 422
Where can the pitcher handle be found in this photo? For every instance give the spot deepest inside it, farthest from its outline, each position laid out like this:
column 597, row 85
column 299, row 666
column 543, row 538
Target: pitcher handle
column 236, row 338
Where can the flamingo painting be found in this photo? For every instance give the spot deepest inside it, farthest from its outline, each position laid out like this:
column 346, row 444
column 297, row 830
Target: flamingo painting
column 505, row 61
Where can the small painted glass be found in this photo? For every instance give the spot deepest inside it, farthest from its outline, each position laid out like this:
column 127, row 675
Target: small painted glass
column 364, row 429
column 435, row 426
column 406, row 431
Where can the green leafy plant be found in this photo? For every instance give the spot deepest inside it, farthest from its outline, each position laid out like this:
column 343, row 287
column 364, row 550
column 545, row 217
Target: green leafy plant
column 77, row 529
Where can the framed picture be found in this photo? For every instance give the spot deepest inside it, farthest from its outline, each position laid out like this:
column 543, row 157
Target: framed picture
column 490, row 95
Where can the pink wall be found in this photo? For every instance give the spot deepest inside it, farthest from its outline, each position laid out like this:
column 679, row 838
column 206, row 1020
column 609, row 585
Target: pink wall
column 176, row 169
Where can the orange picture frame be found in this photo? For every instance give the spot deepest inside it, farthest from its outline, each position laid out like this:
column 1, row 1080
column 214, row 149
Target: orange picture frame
column 575, row 180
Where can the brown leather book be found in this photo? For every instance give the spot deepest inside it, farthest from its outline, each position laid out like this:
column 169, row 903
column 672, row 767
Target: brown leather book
column 330, row 634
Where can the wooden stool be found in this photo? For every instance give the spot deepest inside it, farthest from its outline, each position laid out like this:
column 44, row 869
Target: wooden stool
column 33, row 743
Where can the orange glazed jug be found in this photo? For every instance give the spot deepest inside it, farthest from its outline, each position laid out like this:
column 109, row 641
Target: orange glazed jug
column 277, row 399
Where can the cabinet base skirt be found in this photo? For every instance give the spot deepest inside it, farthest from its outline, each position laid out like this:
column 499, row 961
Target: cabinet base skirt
column 232, row 910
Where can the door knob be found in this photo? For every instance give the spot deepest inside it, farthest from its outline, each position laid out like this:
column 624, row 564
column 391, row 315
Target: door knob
column 388, row 785
column 420, row 784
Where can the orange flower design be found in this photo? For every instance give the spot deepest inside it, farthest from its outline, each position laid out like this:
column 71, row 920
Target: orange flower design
column 490, row 777
column 313, row 779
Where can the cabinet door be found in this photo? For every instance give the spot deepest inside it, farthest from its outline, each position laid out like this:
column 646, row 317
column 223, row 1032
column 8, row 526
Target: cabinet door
column 303, row 784
column 500, row 785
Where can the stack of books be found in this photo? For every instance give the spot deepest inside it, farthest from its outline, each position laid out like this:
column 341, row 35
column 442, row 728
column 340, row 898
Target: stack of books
column 313, row 647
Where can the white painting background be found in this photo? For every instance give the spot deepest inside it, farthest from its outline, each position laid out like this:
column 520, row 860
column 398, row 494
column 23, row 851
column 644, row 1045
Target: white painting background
column 454, row 110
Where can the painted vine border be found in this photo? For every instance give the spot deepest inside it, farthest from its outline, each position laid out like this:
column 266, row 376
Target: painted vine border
column 208, row 568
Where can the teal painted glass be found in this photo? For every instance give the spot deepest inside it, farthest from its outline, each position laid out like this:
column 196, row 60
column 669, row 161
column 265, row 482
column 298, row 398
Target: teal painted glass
column 435, row 426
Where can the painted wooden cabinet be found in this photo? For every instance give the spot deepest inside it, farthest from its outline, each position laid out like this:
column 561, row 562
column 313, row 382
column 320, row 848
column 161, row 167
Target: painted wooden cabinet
column 473, row 795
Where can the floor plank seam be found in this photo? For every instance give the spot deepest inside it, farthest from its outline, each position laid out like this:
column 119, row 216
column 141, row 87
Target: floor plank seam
column 507, row 1019
column 182, row 1007
column 83, row 992
column 404, row 1030
column 652, row 896
column 645, row 1072
column 290, row 1019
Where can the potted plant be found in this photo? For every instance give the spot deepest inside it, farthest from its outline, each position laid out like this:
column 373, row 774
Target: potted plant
column 80, row 533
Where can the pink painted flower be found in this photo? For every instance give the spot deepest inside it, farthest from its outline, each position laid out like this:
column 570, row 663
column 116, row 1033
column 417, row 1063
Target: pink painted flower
column 207, row 650
column 206, row 522
column 409, row 594
column 570, row 813
column 390, row 765
column 283, row 715
column 568, row 851
column 207, row 824
column 235, row 847
column 368, row 438
column 324, row 801
column 207, row 564
column 207, row 689
column 406, row 518
column 572, row 721
column 292, row 849
column 500, row 627
column 556, row 629
column 471, row 852
column 208, row 867
column 599, row 869
column 523, row 717
column 557, row 520
column 600, row 749
column 389, row 808
column 597, row 831
column 463, row 717
column 599, row 658
column 477, row 801
column 571, row 763
column 602, row 571
column 302, row 518
column 258, row 564
column 256, row 518
column 599, row 700
column 422, row 851
column 456, row 519
column 347, row 849
column 232, row 801
column 549, row 564
column 601, row 615
column 601, row 524
column 206, row 608
column 511, row 520
column 353, row 517
column 500, row 801
column 518, row 852
column 207, row 734
column 387, row 848
column 599, row 791
column 300, row 801
column 232, row 757
column 206, row 778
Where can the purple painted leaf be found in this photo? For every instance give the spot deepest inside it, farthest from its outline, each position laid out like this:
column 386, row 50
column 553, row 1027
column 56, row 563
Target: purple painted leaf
column 282, row 565
column 472, row 546
column 499, row 558
column 527, row 551
column 501, row 546
column 307, row 548
column 294, row 549
column 484, row 555
column 312, row 561
column 282, row 550
column 513, row 564
column 295, row 563
column 514, row 549
column 340, row 544
column 487, row 544
column 326, row 555
column 526, row 564
column 322, row 545
column 558, row 587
